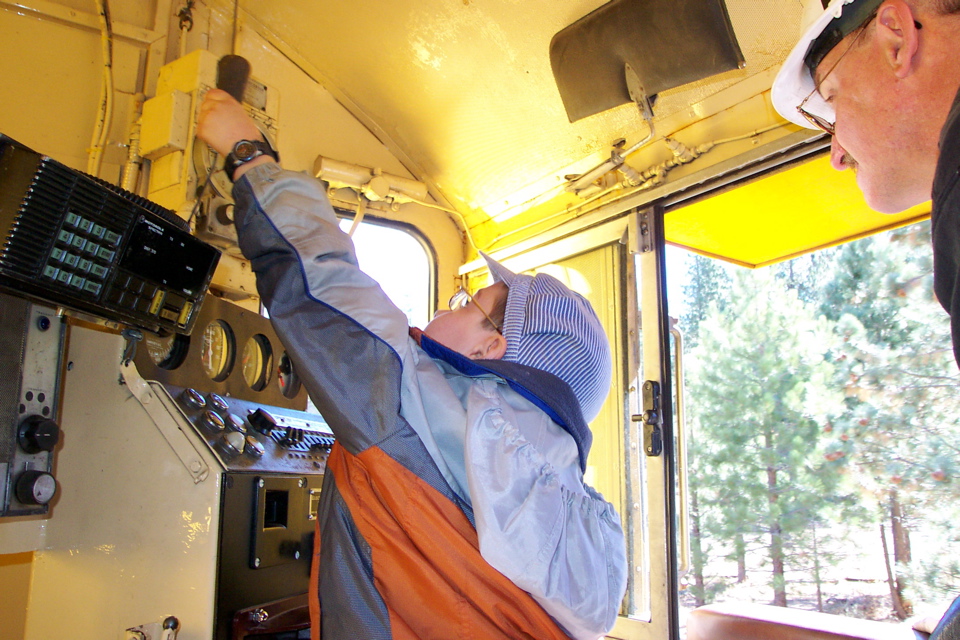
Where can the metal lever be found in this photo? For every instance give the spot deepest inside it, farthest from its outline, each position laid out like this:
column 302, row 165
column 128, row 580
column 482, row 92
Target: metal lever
column 232, row 75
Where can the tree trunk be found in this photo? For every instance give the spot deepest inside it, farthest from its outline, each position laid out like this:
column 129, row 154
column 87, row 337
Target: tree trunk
column 901, row 550
column 895, row 598
column 696, row 551
column 816, row 569
column 741, row 548
column 776, row 543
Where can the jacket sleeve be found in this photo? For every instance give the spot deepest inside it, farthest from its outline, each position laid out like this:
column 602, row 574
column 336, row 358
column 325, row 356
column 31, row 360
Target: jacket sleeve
column 319, row 301
column 295, row 207
column 539, row 524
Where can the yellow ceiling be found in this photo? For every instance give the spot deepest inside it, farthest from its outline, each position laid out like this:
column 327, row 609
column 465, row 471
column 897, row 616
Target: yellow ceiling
column 462, row 92
column 807, row 207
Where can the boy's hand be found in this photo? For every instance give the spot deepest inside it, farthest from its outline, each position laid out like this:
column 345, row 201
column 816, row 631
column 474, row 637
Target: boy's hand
column 223, row 122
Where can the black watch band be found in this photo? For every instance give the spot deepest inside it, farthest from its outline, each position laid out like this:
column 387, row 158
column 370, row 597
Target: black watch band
column 245, row 151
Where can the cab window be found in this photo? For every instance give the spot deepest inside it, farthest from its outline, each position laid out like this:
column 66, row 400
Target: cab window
column 823, row 426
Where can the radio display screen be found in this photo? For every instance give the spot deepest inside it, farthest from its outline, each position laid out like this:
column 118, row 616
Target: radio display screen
column 157, row 251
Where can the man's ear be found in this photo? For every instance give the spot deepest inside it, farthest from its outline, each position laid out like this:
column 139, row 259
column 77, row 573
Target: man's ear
column 898, row 37
column 493, row 347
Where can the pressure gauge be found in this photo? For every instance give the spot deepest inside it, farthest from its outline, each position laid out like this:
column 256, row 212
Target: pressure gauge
column 257, row 361
column 217, row 350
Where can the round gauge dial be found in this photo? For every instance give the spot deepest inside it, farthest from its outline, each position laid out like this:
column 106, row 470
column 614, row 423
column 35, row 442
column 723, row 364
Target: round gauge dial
column 257, row 362
column 287, row 377
column 218, row 349
column 166, row 351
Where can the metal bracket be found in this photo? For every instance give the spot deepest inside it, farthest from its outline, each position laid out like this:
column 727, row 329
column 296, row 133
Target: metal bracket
column 637, row 93
column 645, row 231
column 166, row 420
column 652, row 423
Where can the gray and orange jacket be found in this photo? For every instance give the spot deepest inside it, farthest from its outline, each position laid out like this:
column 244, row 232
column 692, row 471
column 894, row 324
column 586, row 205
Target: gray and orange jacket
column 453, row 505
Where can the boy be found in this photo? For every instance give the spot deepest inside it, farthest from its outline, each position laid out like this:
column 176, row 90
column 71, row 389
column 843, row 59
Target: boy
column 453, row 503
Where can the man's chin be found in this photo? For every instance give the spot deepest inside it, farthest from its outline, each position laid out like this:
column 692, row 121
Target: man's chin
column 886, row 200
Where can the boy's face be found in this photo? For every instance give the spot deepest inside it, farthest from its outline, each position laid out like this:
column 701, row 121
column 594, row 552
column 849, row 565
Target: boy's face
column 467, row 330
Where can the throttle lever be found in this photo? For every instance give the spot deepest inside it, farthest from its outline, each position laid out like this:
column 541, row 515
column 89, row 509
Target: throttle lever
column 232, row 75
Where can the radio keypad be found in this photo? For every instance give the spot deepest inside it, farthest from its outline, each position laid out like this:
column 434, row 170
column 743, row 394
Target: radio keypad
column 72, row 261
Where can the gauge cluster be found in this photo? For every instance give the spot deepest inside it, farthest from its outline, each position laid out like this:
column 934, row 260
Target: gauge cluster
column 246, row 436
column 235, row 383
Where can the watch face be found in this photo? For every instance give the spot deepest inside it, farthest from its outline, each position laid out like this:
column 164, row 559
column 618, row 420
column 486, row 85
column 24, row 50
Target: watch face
column 245, row 150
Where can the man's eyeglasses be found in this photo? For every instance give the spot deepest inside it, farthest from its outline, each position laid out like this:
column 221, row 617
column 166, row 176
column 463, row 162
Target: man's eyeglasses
column 460, row 300
column 819, row 121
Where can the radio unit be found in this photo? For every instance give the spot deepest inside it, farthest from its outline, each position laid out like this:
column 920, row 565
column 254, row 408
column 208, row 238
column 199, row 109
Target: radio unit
column 79, row 242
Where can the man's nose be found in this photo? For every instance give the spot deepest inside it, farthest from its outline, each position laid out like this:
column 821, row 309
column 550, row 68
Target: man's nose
column 838, row 155
column 440, row 312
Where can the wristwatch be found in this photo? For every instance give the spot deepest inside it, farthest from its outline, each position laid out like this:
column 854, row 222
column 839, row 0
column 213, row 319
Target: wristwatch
column 245, row 151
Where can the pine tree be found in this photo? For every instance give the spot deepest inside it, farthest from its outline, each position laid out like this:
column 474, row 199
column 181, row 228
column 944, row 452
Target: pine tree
column 759, row 401
column 901, row 430
column 707, row 283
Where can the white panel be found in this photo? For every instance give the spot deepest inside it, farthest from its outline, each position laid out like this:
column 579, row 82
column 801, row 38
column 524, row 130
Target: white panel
column 131, row 538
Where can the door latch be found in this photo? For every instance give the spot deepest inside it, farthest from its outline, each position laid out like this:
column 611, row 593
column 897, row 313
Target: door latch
column 651, row 419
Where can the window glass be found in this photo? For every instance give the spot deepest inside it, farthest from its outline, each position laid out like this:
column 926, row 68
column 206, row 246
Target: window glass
column 398, row 261
column 823, row 426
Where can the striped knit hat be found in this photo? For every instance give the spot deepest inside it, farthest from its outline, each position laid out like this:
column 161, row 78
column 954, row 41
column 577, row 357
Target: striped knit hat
column 550, row 327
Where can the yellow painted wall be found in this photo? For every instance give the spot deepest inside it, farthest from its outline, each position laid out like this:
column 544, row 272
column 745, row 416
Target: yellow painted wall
column 15, row 571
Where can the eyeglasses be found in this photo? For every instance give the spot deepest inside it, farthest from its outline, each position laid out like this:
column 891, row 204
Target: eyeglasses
column 460, row 300
column 819, row 121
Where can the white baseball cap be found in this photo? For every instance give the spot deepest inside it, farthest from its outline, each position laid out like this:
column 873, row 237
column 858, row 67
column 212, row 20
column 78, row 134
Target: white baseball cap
column 823, row 28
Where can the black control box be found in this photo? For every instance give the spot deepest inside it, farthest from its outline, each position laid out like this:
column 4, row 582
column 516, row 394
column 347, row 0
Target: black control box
column 82, row 243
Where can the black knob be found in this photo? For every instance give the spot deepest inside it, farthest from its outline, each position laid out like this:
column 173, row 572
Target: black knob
column 262, row 421
column 35, row 487
column 38, row 434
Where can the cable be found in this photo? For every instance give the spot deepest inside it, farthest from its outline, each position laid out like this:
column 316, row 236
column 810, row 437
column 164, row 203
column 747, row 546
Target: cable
column 463, row 220
column 102, row 128
column 653, row 176
column 203, row 188
column 233, row 40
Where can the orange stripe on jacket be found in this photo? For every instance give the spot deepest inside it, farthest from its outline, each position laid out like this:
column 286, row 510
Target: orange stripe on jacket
column 426, row 558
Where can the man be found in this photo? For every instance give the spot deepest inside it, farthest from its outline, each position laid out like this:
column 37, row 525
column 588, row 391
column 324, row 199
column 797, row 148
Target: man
column 882, row 78
column 453, row 504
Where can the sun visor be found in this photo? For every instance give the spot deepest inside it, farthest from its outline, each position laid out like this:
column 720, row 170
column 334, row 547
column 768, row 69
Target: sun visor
column 667, row 43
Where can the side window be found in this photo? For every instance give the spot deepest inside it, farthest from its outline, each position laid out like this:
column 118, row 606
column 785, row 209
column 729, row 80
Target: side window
column 400, row 262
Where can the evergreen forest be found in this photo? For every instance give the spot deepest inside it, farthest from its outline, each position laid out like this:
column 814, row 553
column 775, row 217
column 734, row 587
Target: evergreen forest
column 823, row 431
